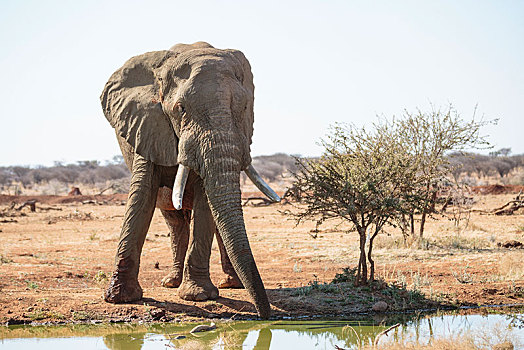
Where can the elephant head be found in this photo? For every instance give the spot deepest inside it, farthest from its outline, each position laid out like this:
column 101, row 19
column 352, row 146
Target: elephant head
column 192, row 106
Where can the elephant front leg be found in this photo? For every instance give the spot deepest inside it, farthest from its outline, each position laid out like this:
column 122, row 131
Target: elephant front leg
column 178, row 222
column 124, row 286
column 231, row 280
column 196, row 284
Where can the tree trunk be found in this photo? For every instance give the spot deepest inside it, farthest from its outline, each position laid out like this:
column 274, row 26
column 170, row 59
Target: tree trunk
column 359, row 272
column 412, row 224
column 422, row 223
column 363, row 263
column 428, row 208
column 371, row 261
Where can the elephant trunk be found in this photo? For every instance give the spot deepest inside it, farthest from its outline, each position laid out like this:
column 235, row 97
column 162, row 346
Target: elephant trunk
column 222, row 187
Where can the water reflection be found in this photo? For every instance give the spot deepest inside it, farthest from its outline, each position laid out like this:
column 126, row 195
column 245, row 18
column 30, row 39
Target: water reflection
column 124, row 341
column 264, row 339
column 257, row 334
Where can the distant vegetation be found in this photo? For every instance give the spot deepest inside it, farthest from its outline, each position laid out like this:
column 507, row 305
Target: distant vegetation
column 498, row 164
column 58, row 179
column 275, row 167
column 84, row 172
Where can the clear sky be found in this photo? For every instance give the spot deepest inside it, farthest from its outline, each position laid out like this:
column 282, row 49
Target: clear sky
column 314, row 63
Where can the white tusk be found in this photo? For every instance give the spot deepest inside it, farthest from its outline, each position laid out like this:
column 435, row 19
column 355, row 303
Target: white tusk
column 261, row 184
column 179, row 186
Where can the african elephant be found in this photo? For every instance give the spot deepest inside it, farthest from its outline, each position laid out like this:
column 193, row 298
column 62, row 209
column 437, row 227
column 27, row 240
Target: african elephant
column 184, row 121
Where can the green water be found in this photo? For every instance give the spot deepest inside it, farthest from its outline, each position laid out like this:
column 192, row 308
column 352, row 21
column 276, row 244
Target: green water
column 316, row 334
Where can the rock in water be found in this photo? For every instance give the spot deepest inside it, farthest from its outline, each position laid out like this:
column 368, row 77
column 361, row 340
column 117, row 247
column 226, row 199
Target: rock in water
column 203, row 328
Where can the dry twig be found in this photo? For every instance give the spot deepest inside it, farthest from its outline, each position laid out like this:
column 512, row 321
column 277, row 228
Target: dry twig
column 377, row 338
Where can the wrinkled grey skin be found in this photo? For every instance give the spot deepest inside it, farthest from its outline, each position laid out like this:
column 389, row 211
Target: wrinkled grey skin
column 190, row 105
column 178, row 222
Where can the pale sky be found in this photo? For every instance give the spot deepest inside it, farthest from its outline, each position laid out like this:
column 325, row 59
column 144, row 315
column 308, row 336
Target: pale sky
column 314, row 63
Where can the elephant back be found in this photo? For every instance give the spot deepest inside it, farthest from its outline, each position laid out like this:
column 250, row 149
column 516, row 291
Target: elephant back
column 130, row 104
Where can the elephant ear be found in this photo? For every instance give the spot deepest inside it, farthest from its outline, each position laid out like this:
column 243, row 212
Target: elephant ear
column 130, row 101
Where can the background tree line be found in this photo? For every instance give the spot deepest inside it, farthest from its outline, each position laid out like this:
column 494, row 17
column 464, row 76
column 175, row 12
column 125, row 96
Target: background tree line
column 273, row 168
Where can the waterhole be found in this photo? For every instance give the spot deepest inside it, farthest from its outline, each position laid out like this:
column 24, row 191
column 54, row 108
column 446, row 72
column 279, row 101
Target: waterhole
column 483, row 331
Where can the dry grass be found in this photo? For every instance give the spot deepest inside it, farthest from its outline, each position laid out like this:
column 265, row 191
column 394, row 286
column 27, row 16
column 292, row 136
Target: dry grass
column 453, row 343
column 230, row 340
column 459, row 342
column 511, row 266
column 495, row 336
column 190, row 345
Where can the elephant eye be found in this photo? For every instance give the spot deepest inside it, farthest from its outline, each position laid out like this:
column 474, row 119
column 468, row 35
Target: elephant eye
column 178, row 107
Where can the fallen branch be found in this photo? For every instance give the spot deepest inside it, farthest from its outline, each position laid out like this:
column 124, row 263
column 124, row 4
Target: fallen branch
column 31, row 204
column 509, row 208
column 265, row 201
column 105, row 189
column 49, row 208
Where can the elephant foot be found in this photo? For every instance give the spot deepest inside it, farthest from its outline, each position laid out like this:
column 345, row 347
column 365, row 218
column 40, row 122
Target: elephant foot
column 197, row 290
column 230, row 282
column 122, row 290
column 172, row 280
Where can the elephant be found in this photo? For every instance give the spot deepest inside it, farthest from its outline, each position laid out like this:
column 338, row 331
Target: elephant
column 184, row 122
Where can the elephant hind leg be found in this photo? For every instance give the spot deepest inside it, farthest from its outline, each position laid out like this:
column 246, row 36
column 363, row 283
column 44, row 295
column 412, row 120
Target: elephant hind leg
column 231, row 280
column 145, row 180
column 178, row 222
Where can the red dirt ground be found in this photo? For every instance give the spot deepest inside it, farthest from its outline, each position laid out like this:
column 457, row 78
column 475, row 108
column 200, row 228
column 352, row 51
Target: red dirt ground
column 54, row 264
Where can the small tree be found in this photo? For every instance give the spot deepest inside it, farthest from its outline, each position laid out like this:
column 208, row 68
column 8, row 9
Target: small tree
column 376, row 178
column 429, row 138
column 361, row 178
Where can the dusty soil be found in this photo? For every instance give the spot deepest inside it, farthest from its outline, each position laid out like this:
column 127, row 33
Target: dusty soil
column 497, row 189
column 54, row 264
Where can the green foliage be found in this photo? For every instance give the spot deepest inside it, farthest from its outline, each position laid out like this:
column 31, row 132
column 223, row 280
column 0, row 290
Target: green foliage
column 101, row 277
column 327, row 288
column 348, row 274
column 81, row 315
column 42, row 314
column 360, row 177
column 343, row 289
